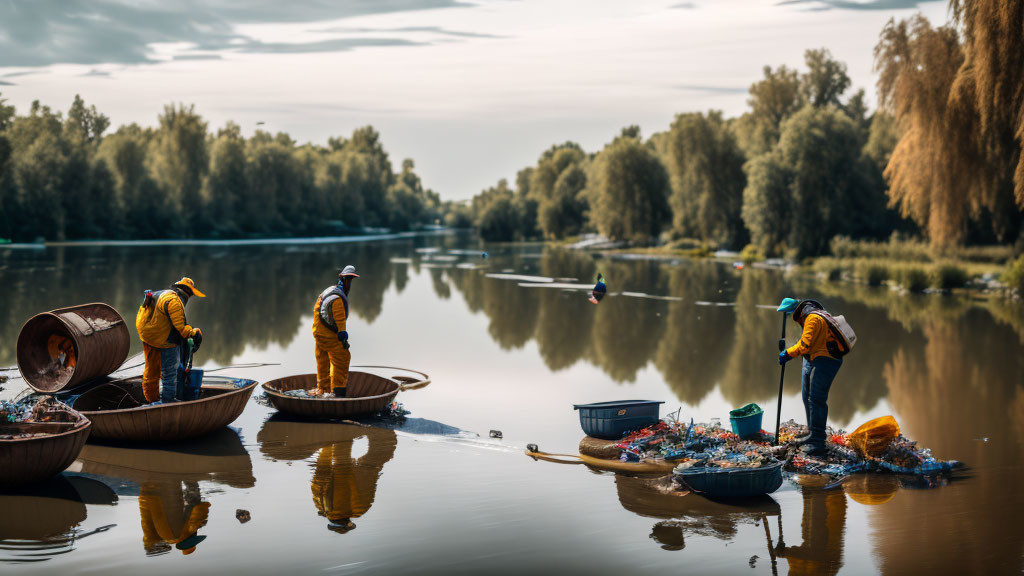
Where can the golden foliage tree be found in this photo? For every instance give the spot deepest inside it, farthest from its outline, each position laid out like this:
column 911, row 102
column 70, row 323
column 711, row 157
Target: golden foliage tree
column 958, row 97
column 990, row 83
column 929, row 176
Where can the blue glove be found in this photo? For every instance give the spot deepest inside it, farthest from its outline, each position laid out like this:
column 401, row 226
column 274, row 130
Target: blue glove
column 342, row 336
column 784, row 357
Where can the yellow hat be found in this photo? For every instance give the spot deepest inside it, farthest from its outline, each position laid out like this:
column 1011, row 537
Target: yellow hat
column 188, row 283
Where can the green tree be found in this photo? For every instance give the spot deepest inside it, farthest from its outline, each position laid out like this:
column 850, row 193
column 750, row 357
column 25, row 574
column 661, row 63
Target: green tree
column 766, row 199
column 628, row 190
column 227, row 187
column 812, row 187
column 705, row 165
column 772, row 99
column 825, row 80
column 145, row 211
column 179, row 163
column 496, row 214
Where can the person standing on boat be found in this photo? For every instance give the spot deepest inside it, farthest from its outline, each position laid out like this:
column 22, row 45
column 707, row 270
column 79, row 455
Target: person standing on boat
column 163, row 329
column 330, row 314
column 820, row 367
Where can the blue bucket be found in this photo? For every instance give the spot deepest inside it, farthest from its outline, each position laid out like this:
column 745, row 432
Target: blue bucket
column 746, row 421
column 194, row 384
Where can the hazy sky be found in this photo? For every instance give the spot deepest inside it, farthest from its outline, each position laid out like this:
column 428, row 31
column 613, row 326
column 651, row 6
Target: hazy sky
column 472, row 90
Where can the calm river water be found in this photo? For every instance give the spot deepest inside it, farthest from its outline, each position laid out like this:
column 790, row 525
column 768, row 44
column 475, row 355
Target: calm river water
column 437, row 495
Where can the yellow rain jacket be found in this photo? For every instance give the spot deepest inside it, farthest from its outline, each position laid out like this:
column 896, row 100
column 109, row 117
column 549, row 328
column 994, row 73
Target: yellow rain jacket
column 813, row 342
column 332, row 359
column 155, row 324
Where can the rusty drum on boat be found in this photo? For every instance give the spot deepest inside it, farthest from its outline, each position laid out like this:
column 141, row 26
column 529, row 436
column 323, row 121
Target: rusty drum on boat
column 97, row 334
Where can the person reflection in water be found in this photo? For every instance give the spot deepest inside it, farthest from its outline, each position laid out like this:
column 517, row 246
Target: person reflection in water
column 822, row 527
column 343, row 486
column 171, row 514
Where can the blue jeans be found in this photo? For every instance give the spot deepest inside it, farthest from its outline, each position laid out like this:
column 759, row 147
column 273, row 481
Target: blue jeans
column 168, row 373
column 816, row 380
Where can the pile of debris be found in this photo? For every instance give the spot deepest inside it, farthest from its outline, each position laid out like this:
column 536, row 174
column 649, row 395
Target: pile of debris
column 695, row 445
column 877, row 446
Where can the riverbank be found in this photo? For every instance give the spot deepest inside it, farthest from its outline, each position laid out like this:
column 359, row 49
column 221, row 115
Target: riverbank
column 906, row 265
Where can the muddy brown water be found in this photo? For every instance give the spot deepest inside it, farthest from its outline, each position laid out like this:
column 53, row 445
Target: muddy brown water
column 435, row 494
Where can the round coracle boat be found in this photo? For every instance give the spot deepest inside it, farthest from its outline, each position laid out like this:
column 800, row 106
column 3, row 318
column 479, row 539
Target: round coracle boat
column 367, row 393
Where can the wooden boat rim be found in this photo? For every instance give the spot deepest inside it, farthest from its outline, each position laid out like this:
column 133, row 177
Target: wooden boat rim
column 251, row 384
column 273, row 391
column 82, row 424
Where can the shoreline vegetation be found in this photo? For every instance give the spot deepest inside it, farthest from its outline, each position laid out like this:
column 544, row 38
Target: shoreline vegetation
column 924, row 193
column 64, row 178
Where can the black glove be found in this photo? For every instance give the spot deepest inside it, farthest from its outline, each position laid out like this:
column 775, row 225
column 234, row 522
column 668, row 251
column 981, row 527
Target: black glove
column 197, row 340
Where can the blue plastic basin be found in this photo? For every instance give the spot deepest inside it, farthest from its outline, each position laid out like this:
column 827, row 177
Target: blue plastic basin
column 610, row 420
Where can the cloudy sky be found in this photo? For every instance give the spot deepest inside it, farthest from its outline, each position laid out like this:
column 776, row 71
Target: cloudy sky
column 473, row 90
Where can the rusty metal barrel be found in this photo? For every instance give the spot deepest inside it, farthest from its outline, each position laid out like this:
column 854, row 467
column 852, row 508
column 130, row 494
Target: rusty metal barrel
column 60, row 349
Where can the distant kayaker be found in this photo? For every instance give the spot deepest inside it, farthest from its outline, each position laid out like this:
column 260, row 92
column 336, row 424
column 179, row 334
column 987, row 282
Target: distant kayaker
column 330, row 314
column 163, row 329
column 822, row 360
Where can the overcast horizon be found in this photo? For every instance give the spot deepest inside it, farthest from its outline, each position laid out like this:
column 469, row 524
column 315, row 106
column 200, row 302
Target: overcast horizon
column 472, row 91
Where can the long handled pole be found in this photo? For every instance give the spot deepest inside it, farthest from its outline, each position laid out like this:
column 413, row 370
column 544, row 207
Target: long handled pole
column 782, row 377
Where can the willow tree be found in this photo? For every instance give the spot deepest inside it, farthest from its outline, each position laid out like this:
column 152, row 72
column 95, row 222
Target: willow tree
column 931, row 170
column 990, row 83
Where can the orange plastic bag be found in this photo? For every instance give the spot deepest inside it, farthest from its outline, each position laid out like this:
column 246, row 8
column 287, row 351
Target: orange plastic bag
column 874, row 436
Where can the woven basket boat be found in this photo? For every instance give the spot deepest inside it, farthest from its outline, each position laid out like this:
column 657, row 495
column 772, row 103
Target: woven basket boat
column 367, row 393
column 52, row 447
column 118, row 410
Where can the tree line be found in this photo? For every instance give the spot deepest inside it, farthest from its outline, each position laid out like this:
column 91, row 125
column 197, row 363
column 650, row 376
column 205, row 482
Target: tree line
column 62, row 177
column 940, row 158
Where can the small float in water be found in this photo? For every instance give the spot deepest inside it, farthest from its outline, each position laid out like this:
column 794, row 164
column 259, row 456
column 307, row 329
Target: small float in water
column 367, row 393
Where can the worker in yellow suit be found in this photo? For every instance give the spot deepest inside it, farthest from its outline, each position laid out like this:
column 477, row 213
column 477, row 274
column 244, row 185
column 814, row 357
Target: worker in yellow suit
column 330, row 314
column 820, row 367
column 163, row 329
column 171, row 515
column 344, row 487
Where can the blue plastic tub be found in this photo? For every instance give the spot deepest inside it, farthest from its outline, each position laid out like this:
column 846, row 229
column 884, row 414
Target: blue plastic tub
column 746, row 421
column 610, row 420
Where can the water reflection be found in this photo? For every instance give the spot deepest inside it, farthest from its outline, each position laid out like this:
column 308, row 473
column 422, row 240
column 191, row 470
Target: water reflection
column 695, row 348
column 172, row 508
column 344, row 483
column 685, row 513
column 44, row 521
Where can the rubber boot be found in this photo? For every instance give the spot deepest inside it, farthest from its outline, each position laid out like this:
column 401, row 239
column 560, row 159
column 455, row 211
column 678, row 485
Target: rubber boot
column 339, row 392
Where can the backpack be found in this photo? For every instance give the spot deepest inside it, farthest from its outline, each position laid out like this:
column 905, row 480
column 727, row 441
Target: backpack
column 845, row 337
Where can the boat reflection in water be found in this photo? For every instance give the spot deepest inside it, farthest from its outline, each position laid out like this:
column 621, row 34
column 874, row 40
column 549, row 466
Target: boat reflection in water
column 821, row 527
column 171, row 504
column 43, row 521
column 685, row 512
column 343, row 485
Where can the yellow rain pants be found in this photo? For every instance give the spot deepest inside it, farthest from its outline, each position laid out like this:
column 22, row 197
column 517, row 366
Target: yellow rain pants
column 332, row 360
